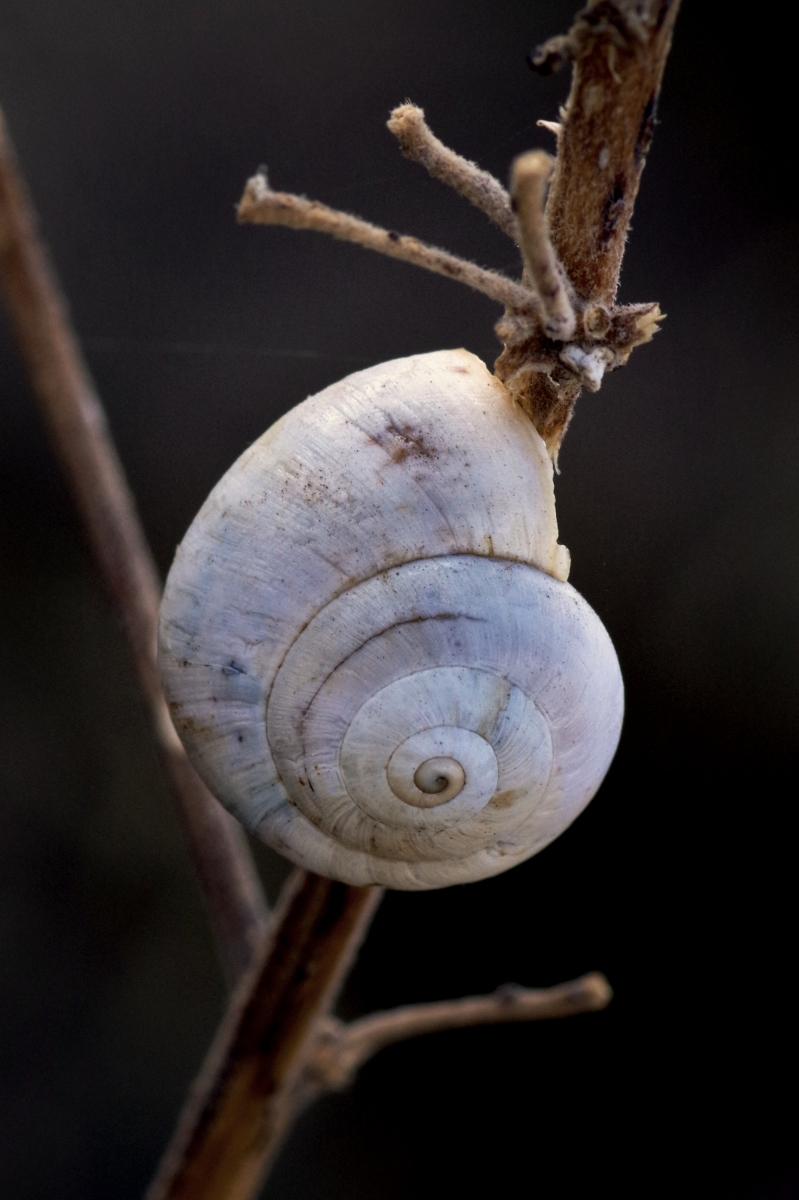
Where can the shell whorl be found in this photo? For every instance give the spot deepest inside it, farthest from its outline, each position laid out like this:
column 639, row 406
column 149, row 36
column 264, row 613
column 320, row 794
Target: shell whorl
column 367, row 641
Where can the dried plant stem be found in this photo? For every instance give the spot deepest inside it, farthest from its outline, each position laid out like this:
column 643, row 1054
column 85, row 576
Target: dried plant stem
column 619, row 50
column 261, row 206
column 529, row 177
column 79, row 433
column 247, row 1094
column 342, row 1049
column 479, row 187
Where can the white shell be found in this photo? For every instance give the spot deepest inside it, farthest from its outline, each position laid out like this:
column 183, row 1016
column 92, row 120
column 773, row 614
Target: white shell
column 367, row 641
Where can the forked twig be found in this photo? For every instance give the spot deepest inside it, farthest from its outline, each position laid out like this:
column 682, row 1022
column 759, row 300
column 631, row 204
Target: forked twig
column 567, row 332
column 261, row 206
column 75, row 420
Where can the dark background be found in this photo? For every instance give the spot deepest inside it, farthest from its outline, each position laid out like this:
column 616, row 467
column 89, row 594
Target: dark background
column 137, row 123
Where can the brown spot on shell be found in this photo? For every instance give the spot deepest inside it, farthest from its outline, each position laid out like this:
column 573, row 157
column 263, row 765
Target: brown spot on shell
column 402, row 441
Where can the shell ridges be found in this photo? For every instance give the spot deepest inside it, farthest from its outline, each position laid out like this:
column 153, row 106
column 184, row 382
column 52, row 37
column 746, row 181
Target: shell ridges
column 374, row 585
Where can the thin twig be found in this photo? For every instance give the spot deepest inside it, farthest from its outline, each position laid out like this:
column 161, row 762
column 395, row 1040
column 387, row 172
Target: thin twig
column 260, row 205
column 479, row 187
column 529, row 176
column 246, row 1096
column 79, row 433
column 619, row 50
column 342, row 1049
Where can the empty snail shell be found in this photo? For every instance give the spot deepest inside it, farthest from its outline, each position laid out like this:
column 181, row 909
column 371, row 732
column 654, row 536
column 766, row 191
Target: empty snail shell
column 367, row 641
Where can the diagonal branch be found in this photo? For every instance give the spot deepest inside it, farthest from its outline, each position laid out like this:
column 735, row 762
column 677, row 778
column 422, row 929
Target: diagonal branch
column 342, row 1050
column 247, row 1094
column 75, row 420
column 260, row 205
column 479, row 187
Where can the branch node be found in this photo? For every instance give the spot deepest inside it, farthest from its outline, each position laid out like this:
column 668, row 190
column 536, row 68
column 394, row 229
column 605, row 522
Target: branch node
column 596, row 321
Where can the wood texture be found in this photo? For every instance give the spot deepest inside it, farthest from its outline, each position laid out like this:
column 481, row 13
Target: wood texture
column 246, row 1096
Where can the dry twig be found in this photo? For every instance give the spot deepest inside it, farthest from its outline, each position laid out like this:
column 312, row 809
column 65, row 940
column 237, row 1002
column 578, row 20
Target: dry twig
column 341, row 1050
column 261, row 206
column 79, row 433
column 419, row 143
column 528, row 191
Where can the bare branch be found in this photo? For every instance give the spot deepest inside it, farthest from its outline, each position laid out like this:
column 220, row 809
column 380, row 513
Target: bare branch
column 529, row 176
column 619, row 50
column 342, row 1049
column 260, row 205
column 419, row 143
column 246, row 1096
column 82, row 442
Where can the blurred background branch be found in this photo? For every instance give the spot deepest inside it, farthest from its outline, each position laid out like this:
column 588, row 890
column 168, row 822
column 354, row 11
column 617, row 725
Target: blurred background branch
column 78, row 430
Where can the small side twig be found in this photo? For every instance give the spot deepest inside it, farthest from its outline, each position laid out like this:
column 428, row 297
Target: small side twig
column 529, row 176
column 341, row 1050
column 75, row 420
column 479, row 187
column 261, row 206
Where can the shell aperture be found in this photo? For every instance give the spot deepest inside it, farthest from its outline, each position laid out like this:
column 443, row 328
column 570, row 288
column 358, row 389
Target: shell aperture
column 367, row 643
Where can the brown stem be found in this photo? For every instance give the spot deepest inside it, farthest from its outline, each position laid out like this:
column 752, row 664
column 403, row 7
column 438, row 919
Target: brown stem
column 79, row 433
column 529, row 176
column 619, row 50
column 342, row 1049
column 419, row 143
column 260, row 205
column 248, row 1091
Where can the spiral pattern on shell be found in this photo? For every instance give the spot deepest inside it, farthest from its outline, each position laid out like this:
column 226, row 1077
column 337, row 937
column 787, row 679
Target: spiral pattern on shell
column 368, row 644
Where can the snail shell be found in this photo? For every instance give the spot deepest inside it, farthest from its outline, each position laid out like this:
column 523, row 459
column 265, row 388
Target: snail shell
column 367, row 641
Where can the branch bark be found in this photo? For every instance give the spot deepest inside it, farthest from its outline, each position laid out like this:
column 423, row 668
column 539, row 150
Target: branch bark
column 248, row 1092
column 76, row 423
column 619, row 50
